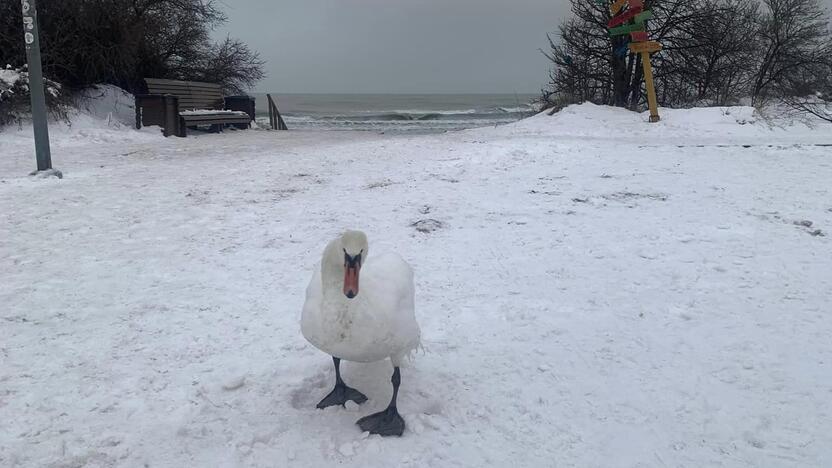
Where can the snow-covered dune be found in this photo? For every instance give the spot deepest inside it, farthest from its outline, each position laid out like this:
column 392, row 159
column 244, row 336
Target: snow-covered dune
column 684, row 127
column 593, row 291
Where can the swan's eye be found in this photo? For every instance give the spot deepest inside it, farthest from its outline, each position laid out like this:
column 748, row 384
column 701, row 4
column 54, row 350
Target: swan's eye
column 352, row 262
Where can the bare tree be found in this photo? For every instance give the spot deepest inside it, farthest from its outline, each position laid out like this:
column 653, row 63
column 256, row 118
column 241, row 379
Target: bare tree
column 229, row 63
column 601, row 66
column 794, row 45
column 582, row 67
column 715, row 52
column 719, row 44
column 120, row 42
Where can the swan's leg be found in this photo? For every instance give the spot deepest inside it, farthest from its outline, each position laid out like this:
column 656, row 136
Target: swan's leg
column 341, row 394
column 388, row 422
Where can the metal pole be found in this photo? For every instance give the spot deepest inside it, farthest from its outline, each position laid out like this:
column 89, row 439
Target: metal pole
column 30, row 29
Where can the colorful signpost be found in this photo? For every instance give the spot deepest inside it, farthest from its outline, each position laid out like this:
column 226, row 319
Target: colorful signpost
column 628, row 17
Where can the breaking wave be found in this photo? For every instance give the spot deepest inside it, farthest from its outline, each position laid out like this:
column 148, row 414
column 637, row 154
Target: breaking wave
column 404, row 120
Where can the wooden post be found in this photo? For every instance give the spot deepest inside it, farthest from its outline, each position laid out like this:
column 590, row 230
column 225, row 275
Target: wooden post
column 170, row 115
column 281, row 124
column 272, row 117
column 651, row 90
column 272, row 123
column 275, row 119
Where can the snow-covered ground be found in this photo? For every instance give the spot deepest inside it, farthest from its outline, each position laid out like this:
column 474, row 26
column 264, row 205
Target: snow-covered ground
column 593, row 291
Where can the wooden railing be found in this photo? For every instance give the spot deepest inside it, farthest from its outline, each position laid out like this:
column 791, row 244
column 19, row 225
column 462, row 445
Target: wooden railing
column 275, row 120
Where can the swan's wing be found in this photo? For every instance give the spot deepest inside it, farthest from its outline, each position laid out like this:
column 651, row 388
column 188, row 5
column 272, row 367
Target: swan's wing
column 406, row 317
column 310, row 321
column 393, row 278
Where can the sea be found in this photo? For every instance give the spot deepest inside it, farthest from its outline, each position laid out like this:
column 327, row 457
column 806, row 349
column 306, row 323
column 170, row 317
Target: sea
column 396, row 113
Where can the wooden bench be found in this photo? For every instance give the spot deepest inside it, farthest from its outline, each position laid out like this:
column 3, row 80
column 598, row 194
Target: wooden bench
column 176, row 105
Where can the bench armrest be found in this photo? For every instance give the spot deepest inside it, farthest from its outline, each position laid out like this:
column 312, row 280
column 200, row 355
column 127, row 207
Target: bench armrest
column 240, row 103
column 158, row 109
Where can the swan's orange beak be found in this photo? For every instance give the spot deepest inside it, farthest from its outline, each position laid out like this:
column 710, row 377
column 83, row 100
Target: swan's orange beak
column 351, row 281
column 352, row 265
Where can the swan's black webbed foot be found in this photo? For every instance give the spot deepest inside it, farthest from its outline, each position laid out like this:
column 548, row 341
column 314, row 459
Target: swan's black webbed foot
column 384, row 423
column 341, row 394
column 388, row 422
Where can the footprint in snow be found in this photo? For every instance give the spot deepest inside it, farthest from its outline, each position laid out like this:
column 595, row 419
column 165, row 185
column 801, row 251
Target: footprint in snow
column 307, row 394
column 379, row 184
column 428, row 225
column 622, row 196
column 805, row 223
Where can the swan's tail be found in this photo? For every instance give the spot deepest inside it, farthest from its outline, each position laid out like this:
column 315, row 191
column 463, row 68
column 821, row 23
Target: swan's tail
column 407, row 355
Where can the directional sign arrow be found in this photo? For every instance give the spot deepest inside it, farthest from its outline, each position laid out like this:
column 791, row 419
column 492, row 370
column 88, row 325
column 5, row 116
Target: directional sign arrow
column 649, row 46
column 624, row 17
column 626, row 29
column 617, row 6
column 644, row 16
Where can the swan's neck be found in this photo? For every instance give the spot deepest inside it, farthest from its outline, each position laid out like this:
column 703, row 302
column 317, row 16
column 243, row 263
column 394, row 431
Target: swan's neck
column 332, row 271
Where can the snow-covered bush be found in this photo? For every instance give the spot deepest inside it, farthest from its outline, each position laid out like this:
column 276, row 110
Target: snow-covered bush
column 14, row 96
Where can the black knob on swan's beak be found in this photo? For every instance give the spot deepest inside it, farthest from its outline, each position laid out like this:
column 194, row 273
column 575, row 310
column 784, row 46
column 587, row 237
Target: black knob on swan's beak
column 351, row 294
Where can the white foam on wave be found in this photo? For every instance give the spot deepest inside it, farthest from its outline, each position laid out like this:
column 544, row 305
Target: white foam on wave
column 518, row 109
column 440, row 112
column 391, row 126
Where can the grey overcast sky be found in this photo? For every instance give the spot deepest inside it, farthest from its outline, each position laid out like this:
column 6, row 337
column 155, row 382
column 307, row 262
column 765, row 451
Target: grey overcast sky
column 397, row 46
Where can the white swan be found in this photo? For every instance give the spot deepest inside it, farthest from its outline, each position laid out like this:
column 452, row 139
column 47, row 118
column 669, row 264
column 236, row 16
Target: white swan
column 362, row 321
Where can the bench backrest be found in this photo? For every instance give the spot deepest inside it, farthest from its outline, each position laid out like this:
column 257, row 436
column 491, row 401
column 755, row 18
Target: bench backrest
column 191, row 94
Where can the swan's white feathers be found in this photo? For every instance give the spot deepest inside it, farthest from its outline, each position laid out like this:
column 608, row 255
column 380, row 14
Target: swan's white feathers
column 378, row 323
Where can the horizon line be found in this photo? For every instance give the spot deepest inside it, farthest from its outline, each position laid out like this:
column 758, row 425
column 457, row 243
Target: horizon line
column 396, row 94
